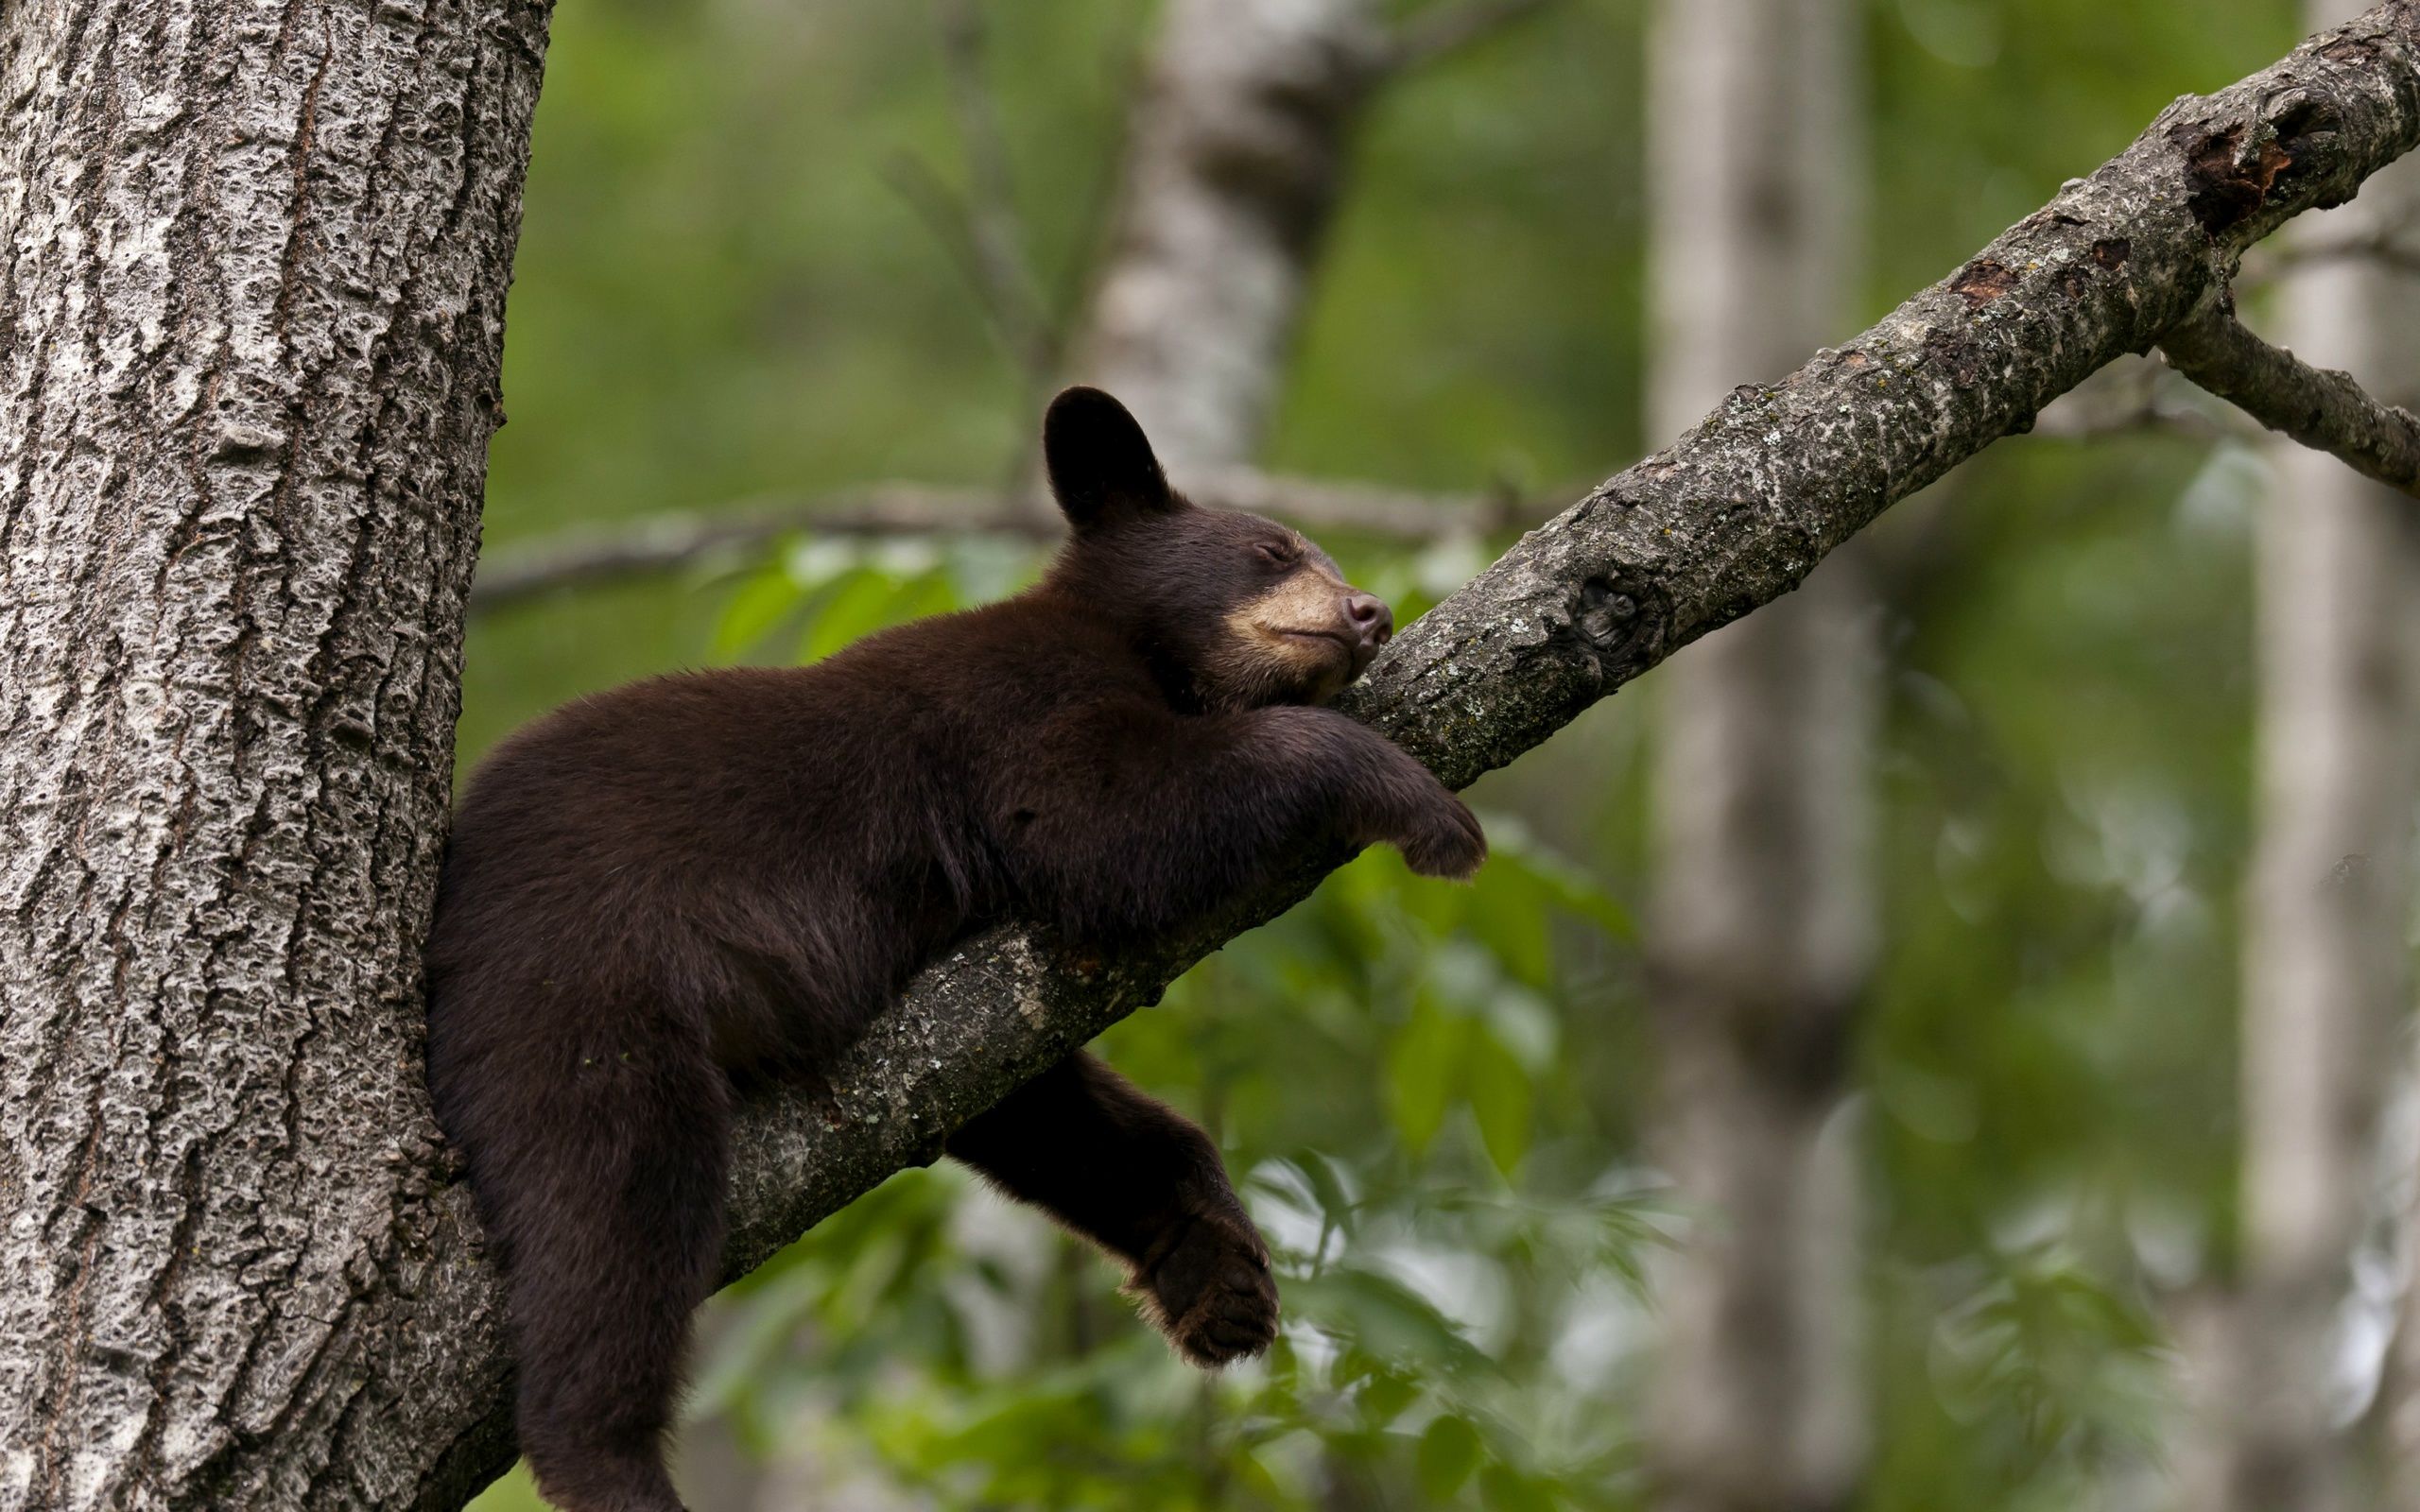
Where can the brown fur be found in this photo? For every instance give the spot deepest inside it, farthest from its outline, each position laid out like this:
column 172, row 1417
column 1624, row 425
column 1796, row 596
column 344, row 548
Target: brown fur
column 658, row 895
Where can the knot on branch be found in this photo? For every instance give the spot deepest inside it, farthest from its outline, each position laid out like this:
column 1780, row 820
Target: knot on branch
column 2231, row 172
column 2227, row 174
column 1982, row 281
column 1623, row 624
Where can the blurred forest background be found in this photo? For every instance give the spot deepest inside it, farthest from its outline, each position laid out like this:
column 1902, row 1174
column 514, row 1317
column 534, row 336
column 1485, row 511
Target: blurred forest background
column 1577, row 1204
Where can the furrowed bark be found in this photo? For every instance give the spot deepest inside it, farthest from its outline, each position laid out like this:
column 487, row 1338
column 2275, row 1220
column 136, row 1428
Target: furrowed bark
column 390, row 1371
column 1761, row 933
column 249, row 327
column 2325, row 983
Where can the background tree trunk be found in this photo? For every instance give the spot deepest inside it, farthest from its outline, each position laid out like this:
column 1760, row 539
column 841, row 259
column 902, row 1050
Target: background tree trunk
column 1233, row 165
column 2325, row 983
column 1762, row 924
column 249, row 328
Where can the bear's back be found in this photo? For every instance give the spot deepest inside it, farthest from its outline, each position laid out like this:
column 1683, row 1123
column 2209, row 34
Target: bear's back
column 825, row 824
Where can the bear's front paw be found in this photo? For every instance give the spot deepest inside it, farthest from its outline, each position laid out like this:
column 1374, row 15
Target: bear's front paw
column 1209, row 1289
column 1444, row 840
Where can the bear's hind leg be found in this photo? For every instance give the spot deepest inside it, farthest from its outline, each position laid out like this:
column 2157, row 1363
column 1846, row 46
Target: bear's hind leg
column 609, row 1192
column 1135, row 1178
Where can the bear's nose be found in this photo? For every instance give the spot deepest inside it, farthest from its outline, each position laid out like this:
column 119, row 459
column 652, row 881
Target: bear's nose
column 1370, row 617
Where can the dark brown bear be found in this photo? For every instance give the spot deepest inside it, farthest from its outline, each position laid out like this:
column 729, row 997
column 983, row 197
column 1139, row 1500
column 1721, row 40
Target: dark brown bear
column 663, row 892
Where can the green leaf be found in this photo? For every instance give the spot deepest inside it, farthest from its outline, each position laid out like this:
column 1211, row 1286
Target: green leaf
column 1505, row 1490
column 1525, row 1025
column 1448, row 1452
column 1424, row 1073
column 1324, row 1180
column 760, row 602
column 815, row 562
column 864, row 602
column 1391, row 1326
column 1555, row 877
column 1502, row 1100
column 1387, row 1397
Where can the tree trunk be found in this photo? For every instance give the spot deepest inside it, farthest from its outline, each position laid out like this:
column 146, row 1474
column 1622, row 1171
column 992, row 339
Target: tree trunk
column 249, row 340
column 1762, row 919
column 1233, row 163
column 2394, row 1220
column 2325, row 980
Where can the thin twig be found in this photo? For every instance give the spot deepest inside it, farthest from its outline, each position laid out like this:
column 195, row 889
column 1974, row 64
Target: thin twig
column 668, row 542
column 2322, row 408
column 1450, row 27
column 995, row 232
column 945, row 213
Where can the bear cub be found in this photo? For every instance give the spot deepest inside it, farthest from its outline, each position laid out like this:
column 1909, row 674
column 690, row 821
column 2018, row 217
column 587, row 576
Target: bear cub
column 657, row 896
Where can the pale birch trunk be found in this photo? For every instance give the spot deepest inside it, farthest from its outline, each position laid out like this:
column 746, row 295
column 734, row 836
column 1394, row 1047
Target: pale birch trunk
column 1762, row 928
column 2326, row 982
column 1234, row 161
column 249, row 327
column 2395, row 1290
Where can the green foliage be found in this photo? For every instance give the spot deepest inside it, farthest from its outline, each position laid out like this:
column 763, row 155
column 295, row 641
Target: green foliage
column 1433, row 1095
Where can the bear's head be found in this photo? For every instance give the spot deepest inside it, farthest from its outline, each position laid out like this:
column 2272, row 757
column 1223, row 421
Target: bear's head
column 1233, row 610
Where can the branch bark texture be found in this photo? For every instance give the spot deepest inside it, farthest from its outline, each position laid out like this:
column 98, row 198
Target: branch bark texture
column 370, row 1370
column 251, row 313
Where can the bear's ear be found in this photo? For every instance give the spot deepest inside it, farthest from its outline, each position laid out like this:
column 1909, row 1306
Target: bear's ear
column 1100, row 465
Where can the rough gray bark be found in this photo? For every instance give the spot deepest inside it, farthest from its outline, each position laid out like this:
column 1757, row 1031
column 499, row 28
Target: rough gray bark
column 249, row 327
column 1235, row 151
column 2325, row 979
column 385, row 1353
column 1761, row 932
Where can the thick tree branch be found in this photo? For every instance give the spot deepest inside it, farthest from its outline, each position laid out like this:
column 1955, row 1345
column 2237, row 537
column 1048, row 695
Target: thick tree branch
column 1730, row 516
column 664, row 543
column 2324, row 409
